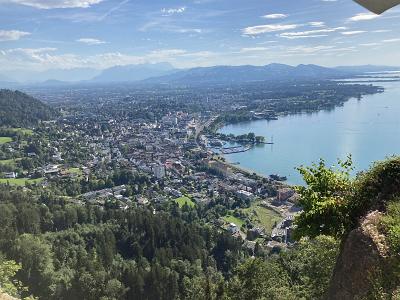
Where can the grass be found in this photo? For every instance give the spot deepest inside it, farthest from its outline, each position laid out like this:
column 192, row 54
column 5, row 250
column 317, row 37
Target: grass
column 20, row 181
column 185, row 200
column 9, row 162
column 5, row 139
column 263, row 216
column 75, row 171
column 233, row 219
column 23, row 131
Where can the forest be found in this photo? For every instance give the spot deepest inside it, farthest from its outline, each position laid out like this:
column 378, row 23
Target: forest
column 20, row 110
column 52, row 249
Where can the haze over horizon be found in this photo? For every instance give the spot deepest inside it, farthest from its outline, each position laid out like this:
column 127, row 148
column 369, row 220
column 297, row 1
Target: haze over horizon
column 38, row 35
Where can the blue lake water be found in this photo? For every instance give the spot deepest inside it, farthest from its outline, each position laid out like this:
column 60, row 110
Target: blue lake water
column 368, row 129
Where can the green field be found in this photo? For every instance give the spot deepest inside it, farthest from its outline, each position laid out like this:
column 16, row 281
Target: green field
column 233, row 219
column 23, row 131
column 5, row 139
column 262, row 216
column 185, row 200
column 20, row 181
column 9, row 162
column 75, row 171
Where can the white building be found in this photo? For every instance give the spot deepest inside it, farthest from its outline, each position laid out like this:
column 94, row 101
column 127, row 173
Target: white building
column 232, row 228
column 10, row 175
column 245, row 195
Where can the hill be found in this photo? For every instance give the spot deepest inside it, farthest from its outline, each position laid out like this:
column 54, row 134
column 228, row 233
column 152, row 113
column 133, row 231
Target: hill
column 248, row 73
column 134, row 72
column 21, row 110
column 367, row 69
column 68, row 75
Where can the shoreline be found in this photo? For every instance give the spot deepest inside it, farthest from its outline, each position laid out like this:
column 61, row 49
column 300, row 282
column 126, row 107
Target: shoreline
column 250, row 172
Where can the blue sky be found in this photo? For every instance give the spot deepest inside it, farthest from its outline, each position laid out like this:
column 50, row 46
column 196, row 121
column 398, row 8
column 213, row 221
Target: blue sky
column 50, row 34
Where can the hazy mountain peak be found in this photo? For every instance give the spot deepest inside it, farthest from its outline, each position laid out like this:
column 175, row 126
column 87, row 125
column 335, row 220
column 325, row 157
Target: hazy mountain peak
column 134, row 72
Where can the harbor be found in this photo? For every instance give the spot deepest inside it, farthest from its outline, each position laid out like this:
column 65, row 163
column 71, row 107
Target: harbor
column 235, row 149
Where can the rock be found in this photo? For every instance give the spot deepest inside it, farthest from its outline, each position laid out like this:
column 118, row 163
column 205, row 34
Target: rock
column 362, row 254
column 6, row 297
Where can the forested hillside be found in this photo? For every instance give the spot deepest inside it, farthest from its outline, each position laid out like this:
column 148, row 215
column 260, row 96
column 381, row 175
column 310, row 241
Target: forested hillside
column 21, row 110
column 52, row 248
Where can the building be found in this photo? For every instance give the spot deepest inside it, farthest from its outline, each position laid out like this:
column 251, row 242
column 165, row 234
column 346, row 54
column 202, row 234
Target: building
column 233, row 228
column 284, row 194
column 158, row 171
column 10, row 175
column 245, row 195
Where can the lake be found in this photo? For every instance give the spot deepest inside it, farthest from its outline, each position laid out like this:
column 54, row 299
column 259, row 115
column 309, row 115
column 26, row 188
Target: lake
column 368, row 129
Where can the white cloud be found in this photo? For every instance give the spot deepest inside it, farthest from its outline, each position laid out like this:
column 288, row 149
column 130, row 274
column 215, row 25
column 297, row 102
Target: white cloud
column 316, row 24
column 275, row 16
column 189, row 30
column 173, row 11
column 51, row 4
column 309, row 50
column 381, row 30
column 304, row 36
column 352, row 32
column 48, row 58
column 90, row 41
column 254, row 30
column 369, row 44
column 391, row 40
column 253, row 49
column 12, row 35
column 316, row 50
column 310, row 33
column 363, row 17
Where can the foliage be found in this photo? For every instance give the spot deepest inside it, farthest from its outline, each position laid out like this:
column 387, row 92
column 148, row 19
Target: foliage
column 391, row 225
column 385, row 279
column 184, row 200
column 324, row 199
column 21, row 110
column 69, row 251
column 300, row 273
column 375, row 188
column 8, row 282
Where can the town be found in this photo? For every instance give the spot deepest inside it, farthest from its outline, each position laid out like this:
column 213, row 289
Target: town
column 135, row 150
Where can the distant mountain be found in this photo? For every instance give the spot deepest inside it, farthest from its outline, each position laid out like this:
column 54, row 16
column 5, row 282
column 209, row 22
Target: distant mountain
column 6, row 82
column 247, row 73
column 69, row 75
column 166, row 73
column 21, row 110
column 366, row 69
column 52, row 82
column 4, row 78
column 134, row 72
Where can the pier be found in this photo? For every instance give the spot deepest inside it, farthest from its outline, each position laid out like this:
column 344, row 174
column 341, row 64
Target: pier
column 236, row 149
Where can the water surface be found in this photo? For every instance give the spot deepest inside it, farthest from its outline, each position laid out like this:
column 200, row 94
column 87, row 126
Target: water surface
column 369, row 129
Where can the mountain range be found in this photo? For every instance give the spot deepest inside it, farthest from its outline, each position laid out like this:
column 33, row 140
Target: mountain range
column 165, row 73
column 134, row 72
column 248, row 73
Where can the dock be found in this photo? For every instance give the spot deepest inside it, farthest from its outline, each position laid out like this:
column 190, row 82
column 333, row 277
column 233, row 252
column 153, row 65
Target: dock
column 236, row 149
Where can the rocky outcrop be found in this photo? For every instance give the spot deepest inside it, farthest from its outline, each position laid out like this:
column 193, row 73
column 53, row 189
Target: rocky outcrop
column 6, row 297
column 363, row 253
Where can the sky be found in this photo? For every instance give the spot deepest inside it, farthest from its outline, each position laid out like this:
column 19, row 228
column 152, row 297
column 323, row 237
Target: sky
column 37, row 35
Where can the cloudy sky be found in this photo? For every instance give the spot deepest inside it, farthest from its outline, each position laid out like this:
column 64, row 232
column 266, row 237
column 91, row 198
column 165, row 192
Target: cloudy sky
column 50, row 34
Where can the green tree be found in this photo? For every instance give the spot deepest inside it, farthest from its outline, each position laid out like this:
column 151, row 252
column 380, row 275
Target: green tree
column 8, row 282
column 34, row 254
column 324, row 199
